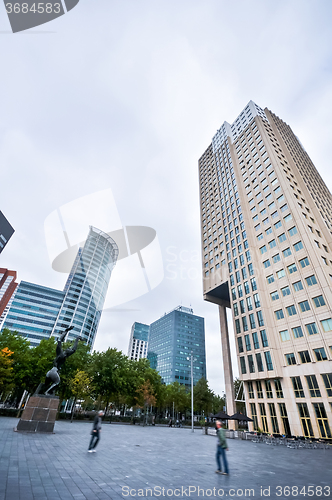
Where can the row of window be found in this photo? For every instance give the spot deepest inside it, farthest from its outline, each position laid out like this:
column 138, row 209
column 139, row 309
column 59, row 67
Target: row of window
column 259, row 362
column 303, row 305
column 319, row 352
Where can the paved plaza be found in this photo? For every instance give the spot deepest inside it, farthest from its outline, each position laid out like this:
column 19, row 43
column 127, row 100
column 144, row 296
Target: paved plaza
column 135, row 461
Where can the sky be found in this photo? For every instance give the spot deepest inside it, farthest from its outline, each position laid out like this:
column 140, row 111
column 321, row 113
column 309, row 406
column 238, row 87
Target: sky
column 126, row 96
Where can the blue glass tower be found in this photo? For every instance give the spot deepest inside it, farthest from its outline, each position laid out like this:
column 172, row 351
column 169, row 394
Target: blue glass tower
column 171, row 340
column 39, row 312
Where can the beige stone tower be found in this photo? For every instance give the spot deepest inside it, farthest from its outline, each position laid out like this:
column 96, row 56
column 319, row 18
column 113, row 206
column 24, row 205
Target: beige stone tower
column 266, row 221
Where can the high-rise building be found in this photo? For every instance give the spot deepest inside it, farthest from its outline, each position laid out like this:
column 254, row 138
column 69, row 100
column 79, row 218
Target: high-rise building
column 266, row 220
column 6, row 231
column 39, row 312
column 7, row 291
column 138, row 343
column 172, row 338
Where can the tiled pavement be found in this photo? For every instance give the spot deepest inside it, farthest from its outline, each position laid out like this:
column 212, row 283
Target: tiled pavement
column 131, row 459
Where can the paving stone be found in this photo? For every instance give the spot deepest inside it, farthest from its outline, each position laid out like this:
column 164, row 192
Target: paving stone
column 58, row 466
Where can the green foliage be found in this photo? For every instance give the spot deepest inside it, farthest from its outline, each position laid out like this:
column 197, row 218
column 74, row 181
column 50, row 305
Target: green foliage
column 6, row 370
column 20, row 359
column 179, row 395
column 203, row 397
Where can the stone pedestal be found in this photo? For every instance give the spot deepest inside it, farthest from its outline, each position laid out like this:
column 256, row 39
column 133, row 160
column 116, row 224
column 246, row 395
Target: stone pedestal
column 39, row 414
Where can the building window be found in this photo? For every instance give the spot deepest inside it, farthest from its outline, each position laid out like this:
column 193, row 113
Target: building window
column 268, row 360
column 249, row 304
column 284, row 334
column 282, row 238
column 304, row 306
column 304, row 262
column 251, row 390
column 246, row 287
column 259, row 388
column 240, row 344
column 278, row 387
column 320, row 354
column 274, row 295
column 305, row 357
column 327, row 378
column 242, row 307
column 276, row 258
column 311, row 328
column 313, row 386
column 274, row 420
column 285, row 291
column 272, row 244
column 292, row 268
column 291, row 310
column 277, row 224
column 244, row 324
column 263, row 417
column 268, row 387
column 297, row 332
column 260, row 318
column 327, row 325
column 243, row 365
column 254, row 415
column 284, row 419
column 279, row 314
column 323, row 424
column 251, row 364
column 270, row 279
column 237, row 326
column 287, row 252
column 297, row 386
column 252, row 321
column 281, row 273
column 255, row 340
column 247, row 341
column 263, row 249
column 292, row 231
column 311, row 280
column 305, row 419
column 319, row 301
column 290, row 359
column 266, row 263
column 235, row 309
column 298, row 246
column 298, row 286
column 264, row 338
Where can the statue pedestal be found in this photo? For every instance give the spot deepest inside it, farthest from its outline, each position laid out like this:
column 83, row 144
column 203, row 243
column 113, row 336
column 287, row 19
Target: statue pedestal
column 39, row 414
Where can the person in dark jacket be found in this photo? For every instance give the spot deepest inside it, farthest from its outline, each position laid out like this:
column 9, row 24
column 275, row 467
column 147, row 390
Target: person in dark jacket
column 221, row 449
column 95, row 432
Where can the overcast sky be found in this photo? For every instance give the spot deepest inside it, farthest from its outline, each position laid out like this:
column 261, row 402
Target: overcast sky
column 126, row 95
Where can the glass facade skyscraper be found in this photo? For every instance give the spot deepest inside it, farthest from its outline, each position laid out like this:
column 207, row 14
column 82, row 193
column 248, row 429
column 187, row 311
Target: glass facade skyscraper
column 39, row 312
column 171, row 340
column 138, row 343
column 266, row 222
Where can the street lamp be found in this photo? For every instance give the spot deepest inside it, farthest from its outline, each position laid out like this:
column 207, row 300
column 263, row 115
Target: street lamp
column 192, row 359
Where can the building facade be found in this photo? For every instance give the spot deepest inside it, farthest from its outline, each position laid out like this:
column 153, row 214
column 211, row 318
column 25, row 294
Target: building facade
column 6, row 231
column 172, row 338
column 39, row 312
column 138, row 342
column 266, row 221
column 8, row 286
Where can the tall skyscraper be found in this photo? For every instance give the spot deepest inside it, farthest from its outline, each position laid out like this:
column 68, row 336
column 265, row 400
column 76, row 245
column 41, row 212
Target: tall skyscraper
column 171, row 340
column 266, row 220
column 39, row 312
column 138, row 342
column 6, row 231
column 7, row 290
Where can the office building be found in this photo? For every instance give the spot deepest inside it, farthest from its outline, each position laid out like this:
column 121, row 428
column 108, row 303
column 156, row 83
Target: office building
column 39, row 312
column 172, row 338
column 6, row 231
column 8, row 286
column 138, row 343
column 266, row 221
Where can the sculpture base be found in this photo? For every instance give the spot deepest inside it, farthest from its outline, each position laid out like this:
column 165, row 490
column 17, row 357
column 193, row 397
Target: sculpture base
column 39, row 414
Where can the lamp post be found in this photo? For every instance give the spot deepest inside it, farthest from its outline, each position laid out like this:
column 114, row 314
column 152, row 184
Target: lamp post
column 192, row 359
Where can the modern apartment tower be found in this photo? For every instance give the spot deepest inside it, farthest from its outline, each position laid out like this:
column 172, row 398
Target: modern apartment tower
column 172, row 338
column 266, row 221
column 39, row 312
column 6, row 231
column 138, row 343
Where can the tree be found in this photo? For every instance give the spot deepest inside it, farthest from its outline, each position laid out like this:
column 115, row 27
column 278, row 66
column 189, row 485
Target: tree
column 21, row 361
column 81, row 387
column 203, row 397
column 6, row 371
column 176, row 393
column 145, row 397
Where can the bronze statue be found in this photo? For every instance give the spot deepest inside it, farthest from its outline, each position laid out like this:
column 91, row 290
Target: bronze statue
column 52, row 376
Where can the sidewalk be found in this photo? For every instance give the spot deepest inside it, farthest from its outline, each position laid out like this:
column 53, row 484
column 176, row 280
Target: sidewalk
column 58, row 467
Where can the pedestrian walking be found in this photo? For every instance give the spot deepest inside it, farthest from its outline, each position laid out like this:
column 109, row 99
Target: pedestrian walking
column 95, row 433
column 221, row 449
